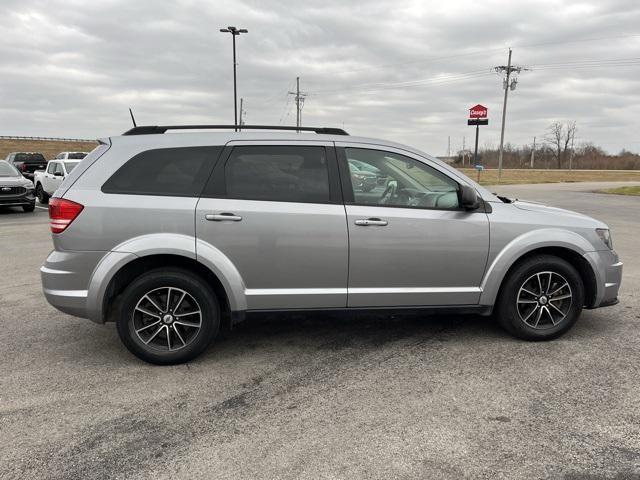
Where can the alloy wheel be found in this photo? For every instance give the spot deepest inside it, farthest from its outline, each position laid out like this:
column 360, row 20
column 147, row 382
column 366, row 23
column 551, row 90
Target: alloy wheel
column 544, row 300
column 167, row 319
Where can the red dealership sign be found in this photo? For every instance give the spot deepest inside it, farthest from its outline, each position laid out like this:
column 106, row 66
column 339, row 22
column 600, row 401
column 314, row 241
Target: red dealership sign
column 478, row 111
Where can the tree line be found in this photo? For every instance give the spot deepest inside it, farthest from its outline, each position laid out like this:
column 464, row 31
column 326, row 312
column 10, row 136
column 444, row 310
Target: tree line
column 557, row 149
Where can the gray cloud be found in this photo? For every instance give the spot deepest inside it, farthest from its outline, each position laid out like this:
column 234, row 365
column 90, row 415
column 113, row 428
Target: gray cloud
column 72, row 68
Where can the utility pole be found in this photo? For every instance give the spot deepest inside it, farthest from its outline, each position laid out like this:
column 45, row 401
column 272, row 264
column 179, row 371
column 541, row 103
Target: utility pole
column 449, row 146
column 508, row 84
column 299, row 99
column 234, row 33
column 533, row 151
column 241, row 122
column 464, row 149
column 571, row 154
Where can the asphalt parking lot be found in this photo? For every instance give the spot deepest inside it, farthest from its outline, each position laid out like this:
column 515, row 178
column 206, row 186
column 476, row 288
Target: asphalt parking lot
column 308, row 397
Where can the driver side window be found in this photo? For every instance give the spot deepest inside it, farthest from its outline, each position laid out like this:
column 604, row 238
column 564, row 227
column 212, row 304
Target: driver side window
column 390, row 179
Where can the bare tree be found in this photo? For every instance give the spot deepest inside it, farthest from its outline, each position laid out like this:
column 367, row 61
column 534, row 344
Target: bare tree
column 560, row 136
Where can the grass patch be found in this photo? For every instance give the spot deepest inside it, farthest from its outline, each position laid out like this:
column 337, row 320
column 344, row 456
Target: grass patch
column 622, row 191
column 516, row 176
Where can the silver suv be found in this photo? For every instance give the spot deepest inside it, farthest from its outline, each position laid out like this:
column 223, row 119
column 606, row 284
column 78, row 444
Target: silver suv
column 176, row 235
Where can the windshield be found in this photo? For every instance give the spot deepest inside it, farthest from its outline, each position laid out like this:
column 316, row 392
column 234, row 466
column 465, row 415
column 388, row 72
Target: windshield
column 76, row 155
column 29, row 158
column 7, row 170
column 70, row 166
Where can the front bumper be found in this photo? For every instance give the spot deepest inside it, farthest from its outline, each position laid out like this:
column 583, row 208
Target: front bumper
column 27, row 198
column 608, row 272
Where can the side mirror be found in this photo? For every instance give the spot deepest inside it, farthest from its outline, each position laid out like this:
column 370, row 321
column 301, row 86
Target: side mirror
column 57, row 174
column 469, row 198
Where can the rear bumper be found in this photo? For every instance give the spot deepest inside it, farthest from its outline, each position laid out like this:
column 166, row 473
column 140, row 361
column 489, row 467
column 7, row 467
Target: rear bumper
column 65, row 280
column 75, row 282
column 72, row 302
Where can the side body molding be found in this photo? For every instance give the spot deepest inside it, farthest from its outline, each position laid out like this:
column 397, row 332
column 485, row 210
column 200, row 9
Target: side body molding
column 521, row 245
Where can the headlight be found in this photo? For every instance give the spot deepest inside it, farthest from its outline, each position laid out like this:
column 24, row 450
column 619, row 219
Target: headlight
column 605, row 236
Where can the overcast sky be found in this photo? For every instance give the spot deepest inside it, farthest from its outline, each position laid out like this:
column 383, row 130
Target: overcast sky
column 402, row 70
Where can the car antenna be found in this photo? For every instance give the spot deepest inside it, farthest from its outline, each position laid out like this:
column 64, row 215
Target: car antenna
column 132, row 117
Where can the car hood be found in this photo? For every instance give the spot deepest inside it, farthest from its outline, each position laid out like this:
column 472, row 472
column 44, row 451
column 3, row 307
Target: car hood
column 14, row 181
column 547, row 210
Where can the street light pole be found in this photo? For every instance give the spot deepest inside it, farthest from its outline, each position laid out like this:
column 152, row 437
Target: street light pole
column 234, row 32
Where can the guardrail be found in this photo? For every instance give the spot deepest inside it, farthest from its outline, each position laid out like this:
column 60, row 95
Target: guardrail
column 57, row 139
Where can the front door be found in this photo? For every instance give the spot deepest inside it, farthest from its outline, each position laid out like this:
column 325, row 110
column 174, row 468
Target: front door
column 276, row 212
column 410, row 242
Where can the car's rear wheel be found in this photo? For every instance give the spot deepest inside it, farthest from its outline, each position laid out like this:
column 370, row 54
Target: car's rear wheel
column 168, row 316
column 41, row 194
column 541, row 299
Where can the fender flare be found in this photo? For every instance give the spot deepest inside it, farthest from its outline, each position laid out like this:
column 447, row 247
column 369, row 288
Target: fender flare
column 526, row 243
column 163, row 244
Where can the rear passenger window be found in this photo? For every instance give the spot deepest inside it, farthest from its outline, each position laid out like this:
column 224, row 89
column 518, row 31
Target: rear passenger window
column 165, row 171
column 278, row 173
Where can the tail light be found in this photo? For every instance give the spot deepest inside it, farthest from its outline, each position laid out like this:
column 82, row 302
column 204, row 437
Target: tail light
column 61, row 213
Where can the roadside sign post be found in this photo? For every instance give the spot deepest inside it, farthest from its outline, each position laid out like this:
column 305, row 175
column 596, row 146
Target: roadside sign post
column 477, row 116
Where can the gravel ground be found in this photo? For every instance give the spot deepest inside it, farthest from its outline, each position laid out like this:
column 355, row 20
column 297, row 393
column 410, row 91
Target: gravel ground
column 321, row 397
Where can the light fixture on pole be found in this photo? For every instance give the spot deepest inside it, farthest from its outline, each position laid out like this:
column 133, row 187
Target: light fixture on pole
column 234, row 32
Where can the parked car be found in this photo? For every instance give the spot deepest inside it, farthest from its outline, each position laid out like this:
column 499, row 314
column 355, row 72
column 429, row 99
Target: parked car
column 27, row 162
column 381, row 179
column 175, row 236
column 47, row 181
column 15, row 190
column 361, row 178
column 71, row 155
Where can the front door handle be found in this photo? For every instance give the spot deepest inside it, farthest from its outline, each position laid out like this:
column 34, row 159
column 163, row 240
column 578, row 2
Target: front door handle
column 366, row 222
column 222, row 217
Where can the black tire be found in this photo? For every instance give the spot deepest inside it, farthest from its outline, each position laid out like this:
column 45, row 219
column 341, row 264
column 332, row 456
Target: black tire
column 199, row 296
column 29, row 208
column 520, row 297
column 43, row 197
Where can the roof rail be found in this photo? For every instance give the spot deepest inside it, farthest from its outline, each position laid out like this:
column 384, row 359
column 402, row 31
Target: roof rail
column 155, row 129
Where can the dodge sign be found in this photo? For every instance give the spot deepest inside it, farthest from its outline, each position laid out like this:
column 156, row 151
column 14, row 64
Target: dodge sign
column 478, row 112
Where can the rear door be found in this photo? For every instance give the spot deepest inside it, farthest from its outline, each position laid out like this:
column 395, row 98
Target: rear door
column 275, row 210
column 410, row 242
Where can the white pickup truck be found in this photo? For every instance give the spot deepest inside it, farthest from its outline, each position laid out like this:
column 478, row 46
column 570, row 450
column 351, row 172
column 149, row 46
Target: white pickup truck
column 47, row 181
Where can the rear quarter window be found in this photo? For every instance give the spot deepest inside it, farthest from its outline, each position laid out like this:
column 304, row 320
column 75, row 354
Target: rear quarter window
column 165, row 171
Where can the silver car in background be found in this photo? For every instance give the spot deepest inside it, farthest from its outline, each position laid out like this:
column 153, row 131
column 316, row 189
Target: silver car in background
column 175, row 236
column 15, row 189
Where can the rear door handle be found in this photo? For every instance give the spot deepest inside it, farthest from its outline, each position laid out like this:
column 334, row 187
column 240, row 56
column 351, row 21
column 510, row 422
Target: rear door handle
column 222, row 217
column 366, row 222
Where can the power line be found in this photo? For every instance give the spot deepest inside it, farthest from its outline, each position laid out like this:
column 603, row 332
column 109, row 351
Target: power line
column 372, row 87
column 484, row 51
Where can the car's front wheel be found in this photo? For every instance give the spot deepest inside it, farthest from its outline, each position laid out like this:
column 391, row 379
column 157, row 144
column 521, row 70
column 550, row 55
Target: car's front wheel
column 168, row 316
column 43, row 197
column 29, row 208
column 541, row 298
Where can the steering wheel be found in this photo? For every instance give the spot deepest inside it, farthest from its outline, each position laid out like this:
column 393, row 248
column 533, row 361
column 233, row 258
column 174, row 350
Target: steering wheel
column 389, row 192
